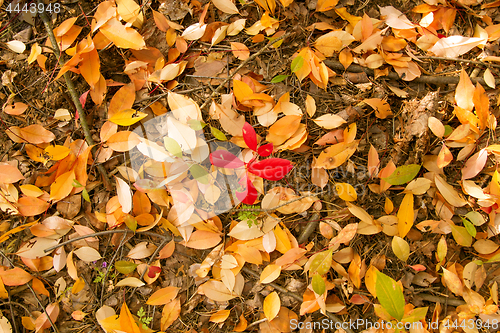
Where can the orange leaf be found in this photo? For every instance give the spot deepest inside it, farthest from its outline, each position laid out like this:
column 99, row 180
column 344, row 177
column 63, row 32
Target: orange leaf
column 43, row 322
column 201, row 239
column 36, row 134
column 16, row 108
column 123, row 141
column 464, row 92
column 161, row 22
column 373, row 162
column 482, row 105
column 127, row 322
column 163, row 296
column 325, row 5
column 15, row 277
column 121, row 36
column 123, row 99
column 272, row 305
column 170, row 313
column 240, row 50
column 444, row 157
column 381, row 107
column 31, row 206
column 9, row 174
column 405, row 215
column 90, row 67
column 62, row 186
column 220, row 316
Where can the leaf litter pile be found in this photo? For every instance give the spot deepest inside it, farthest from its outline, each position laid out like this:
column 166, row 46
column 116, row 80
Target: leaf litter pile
column 249, row 166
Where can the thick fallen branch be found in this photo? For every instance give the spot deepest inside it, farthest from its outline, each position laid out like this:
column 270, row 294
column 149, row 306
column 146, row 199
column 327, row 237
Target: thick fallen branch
column 427, row 79
column 74, row 96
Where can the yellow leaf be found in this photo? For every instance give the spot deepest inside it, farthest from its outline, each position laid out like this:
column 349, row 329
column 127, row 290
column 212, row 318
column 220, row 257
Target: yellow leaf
column 400, row 248
column 371, row 280
column 335, row 155
column 270, row 273
column 346, row 191
column 57, row 152
column 272, row 305
column 62, row 186
column 282, row 241
column 241, row 90
column 405, row 215
column 127, row 117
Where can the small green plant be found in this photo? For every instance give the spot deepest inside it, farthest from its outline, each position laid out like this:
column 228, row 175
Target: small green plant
column 143, row 318
column 250, row 217
column 102, row 274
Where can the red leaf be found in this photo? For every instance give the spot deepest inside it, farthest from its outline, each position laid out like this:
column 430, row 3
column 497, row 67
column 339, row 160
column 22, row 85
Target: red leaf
column 153, row 270
column 249, row 136
column 225, row 159
column 271, row 169
column 418, row 268
column 83, row 98
column 249, row 195
column 266, row 150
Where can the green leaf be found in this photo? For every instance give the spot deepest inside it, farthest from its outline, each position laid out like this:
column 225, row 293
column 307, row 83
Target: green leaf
column 447, row 130
column 321, row 263
column 475, row 217
column 199, row 173
column 278, row 78
column 196, row 124
column 390, row 295
column 318, row 284
column 297, row 64
column 172, row 146
column 218, row 134
column 469, row 227
column 403, row 174
column 461, row 235
column 125, row 267
column 85, row 195
column 131, row 222
column 76, row 183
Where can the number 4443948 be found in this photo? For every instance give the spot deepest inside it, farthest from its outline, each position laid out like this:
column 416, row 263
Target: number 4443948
column 34, row 8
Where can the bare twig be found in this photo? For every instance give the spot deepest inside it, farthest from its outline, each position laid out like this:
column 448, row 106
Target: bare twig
column 309, row 228
column 244, row 63
column 74, row 95
column 441, row 299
